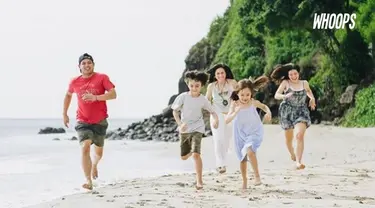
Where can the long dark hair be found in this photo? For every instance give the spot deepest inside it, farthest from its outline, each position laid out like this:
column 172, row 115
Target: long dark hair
column 212, row 71
column 252, row 85
column 281, row 72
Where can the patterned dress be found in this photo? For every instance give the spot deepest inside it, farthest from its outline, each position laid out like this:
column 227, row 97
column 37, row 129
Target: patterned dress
column 248, row 131
column 294, row 110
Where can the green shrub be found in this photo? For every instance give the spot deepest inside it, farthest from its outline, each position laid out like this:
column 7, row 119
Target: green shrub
column 363, row 114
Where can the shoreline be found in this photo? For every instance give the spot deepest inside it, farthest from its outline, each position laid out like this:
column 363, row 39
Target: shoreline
column 339, row 173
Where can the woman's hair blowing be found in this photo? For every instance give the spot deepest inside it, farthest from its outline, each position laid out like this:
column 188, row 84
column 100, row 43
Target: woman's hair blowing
column 252, row 85
column 281, row 72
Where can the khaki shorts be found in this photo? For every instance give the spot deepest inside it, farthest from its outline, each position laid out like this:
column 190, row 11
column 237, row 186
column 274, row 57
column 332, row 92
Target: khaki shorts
column 94, row 132
column 190, row 142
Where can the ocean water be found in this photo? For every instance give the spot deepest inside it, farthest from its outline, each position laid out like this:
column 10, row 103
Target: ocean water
column 35, row 168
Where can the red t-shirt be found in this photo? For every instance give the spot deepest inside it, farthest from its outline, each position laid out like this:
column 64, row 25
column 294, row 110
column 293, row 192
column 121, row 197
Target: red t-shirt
column 91, row 112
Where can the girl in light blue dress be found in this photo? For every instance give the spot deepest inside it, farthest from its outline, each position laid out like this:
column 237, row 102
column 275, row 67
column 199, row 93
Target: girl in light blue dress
column 247, row 125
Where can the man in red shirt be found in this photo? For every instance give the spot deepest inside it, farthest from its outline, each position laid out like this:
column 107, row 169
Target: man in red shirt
column 93, row 90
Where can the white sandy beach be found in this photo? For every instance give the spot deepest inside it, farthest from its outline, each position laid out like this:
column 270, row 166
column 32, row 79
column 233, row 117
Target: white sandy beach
column 340, row 172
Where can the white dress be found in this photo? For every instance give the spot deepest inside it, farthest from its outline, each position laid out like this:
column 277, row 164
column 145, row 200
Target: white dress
column 224, row 133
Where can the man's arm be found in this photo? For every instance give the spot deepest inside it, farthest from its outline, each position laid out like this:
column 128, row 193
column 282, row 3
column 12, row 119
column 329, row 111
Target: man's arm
column 110, row 95
column 68, row 97
column 110, row 88
column 67, row 100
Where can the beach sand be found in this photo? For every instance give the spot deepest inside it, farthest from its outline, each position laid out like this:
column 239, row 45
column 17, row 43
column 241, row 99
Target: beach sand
column 340, row 172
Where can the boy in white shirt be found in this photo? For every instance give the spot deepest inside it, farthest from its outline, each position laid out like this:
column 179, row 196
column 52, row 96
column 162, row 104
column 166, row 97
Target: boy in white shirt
column 191, row 124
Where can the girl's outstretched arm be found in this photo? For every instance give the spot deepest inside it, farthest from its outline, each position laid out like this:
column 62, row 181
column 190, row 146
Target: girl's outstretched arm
column 232, row 113
column 310, row 95
column 262, row 106
column 308, row 90
column 279, row 93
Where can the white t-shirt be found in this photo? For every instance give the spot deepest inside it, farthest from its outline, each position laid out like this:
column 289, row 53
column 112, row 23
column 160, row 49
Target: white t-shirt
column 191, row 111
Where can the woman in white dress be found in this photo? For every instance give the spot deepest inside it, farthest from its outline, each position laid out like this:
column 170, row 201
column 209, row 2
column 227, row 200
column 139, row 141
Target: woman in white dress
column 221, row 86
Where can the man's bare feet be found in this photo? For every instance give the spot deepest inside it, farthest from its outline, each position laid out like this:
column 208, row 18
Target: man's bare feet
column 94, row 172
column 300, row 166
column 257, row 181
column 87, row 185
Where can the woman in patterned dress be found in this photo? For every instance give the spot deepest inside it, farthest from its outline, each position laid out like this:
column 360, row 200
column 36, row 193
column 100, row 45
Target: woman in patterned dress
column 294, row 115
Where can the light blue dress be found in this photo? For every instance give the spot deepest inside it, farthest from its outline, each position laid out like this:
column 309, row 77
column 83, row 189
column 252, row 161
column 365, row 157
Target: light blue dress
column 248, row 131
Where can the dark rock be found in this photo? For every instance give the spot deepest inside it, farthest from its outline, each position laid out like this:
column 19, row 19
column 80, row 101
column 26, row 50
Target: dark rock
column 327, row 123
column 168, row 112
column 56, row 139
column 74, row 138
column 348, row 96
column 51, row 130
column 337, row 121
column 171, row 99
column 182, row 86
column 155, row 128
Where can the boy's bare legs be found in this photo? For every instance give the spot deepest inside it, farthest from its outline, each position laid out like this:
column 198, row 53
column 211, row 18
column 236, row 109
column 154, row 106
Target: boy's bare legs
column 289, row 143
column 86, row 163
column 186, row 156
column 191, row 144
column 98, row 156
column 243, row 168
column 198, row 169
column 300, row 129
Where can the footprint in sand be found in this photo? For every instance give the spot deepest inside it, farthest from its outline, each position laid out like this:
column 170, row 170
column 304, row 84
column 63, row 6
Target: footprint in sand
column 181, row 184
column 141, row 203
column 117, row 196
column 254, row 198
column 364, row 175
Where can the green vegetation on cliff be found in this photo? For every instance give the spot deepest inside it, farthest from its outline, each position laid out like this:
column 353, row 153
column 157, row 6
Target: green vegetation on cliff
column 253, row 36
column 363, row 114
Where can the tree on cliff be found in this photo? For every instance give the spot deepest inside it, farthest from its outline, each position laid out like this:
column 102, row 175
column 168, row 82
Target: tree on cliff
column 253, row 36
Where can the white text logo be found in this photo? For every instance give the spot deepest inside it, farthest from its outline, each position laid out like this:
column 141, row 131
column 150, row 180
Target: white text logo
column 333, row 21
